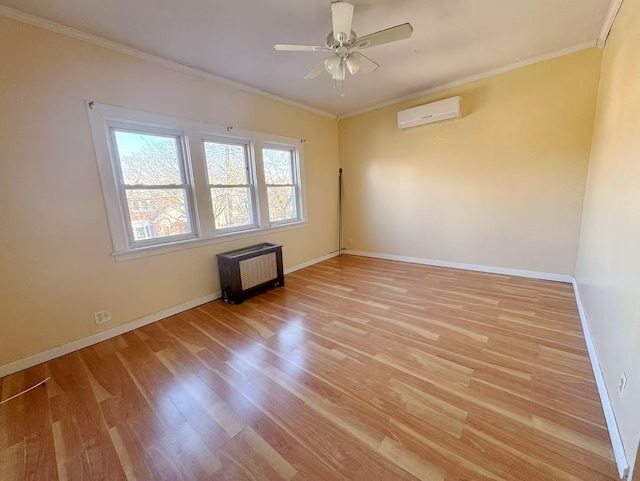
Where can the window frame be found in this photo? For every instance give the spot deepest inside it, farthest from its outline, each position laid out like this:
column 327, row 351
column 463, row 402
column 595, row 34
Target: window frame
column 122, row 187
column 295, row 177
column 252, row 183
column 193, row 134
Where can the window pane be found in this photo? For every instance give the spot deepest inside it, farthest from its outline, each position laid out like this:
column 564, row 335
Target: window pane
column 158, row 213
column 278, row 166
column 231, row 207
column 282, row 203
column 226, row 163
column 148, row 159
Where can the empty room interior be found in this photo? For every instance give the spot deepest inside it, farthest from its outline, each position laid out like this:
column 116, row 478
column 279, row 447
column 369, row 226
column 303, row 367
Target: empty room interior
column 315, row 240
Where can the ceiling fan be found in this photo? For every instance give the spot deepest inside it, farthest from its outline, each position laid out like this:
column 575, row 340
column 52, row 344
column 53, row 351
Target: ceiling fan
column 344, row 43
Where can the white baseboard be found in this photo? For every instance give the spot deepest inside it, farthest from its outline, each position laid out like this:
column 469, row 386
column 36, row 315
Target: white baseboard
column 310, row 263
column 612, row 425
column 614, row 433
column 609, row 415
column 58, row 351
column 467, row 267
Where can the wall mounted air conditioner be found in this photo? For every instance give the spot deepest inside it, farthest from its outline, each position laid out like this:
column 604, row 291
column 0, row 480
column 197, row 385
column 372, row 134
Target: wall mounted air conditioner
column 430, row 113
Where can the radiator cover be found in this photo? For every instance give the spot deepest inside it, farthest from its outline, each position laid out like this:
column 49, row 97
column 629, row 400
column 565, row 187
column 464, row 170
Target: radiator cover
column 244, row 272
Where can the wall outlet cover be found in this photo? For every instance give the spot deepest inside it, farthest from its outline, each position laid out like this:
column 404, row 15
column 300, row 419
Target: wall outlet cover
column 622, row 384
column 102, row 316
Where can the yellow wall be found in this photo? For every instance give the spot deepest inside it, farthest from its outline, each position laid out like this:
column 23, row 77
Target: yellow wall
column 608, row 268
column 502, row 187
column 56, row 267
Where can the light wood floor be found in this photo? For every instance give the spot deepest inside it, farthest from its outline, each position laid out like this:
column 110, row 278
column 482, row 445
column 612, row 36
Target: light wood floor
column 358, row 369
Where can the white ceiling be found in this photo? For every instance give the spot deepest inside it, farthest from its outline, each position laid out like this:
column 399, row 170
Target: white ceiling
column 452, row 39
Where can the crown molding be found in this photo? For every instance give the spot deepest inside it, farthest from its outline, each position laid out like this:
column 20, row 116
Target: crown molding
column 132, row 52
column 614, row 8
column 473, row 78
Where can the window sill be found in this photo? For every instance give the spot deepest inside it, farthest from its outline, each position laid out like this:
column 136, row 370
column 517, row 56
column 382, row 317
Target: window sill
column 138, row 252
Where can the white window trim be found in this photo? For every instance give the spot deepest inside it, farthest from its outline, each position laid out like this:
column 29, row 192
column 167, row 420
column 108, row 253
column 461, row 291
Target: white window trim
column 297, row 181
column 102, row 117
column 252, row 182
column 185, row 172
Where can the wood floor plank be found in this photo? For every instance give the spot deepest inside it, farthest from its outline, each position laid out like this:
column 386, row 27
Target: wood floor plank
column 358, row 369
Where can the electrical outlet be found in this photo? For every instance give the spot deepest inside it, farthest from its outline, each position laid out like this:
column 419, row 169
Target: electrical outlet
column 350, row 242
column 622, row 384
column 102, row 316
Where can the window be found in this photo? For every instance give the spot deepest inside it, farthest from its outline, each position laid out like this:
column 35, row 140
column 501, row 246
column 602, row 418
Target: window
column 152, row 184
column 171, row 183
column 281, row 179
column 230, row 184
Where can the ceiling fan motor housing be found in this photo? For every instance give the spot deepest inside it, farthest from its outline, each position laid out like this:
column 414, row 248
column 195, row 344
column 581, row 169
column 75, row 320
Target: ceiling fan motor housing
column 332, row 43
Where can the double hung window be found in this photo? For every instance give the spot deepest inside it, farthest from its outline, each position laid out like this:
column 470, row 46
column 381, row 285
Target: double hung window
column 171, row 182
column 281, row 179
column 231, row 184
column 152, row 185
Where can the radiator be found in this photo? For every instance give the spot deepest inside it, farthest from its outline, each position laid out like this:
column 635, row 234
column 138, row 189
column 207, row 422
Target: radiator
column 244, row 272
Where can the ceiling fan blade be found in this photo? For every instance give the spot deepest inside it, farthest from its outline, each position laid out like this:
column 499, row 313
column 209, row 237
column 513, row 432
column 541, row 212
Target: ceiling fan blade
column 316, row 71
column 342, row 17
column 366, row 64
column 284, row 47
column 393, row 34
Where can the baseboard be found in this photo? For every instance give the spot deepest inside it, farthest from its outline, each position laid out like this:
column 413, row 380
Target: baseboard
column 612, row 425
column 58, row 351
column 310, row 263
column 609, row 415
column 467, row 267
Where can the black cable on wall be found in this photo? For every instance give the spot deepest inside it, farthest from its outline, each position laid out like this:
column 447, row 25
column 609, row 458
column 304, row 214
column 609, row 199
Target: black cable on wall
column 340, row 248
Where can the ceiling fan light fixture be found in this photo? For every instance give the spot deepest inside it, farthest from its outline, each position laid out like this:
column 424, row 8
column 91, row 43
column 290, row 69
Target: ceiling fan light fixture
column 341, row 41
column 332, row 64
column 353, row 64
column 341, row 73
